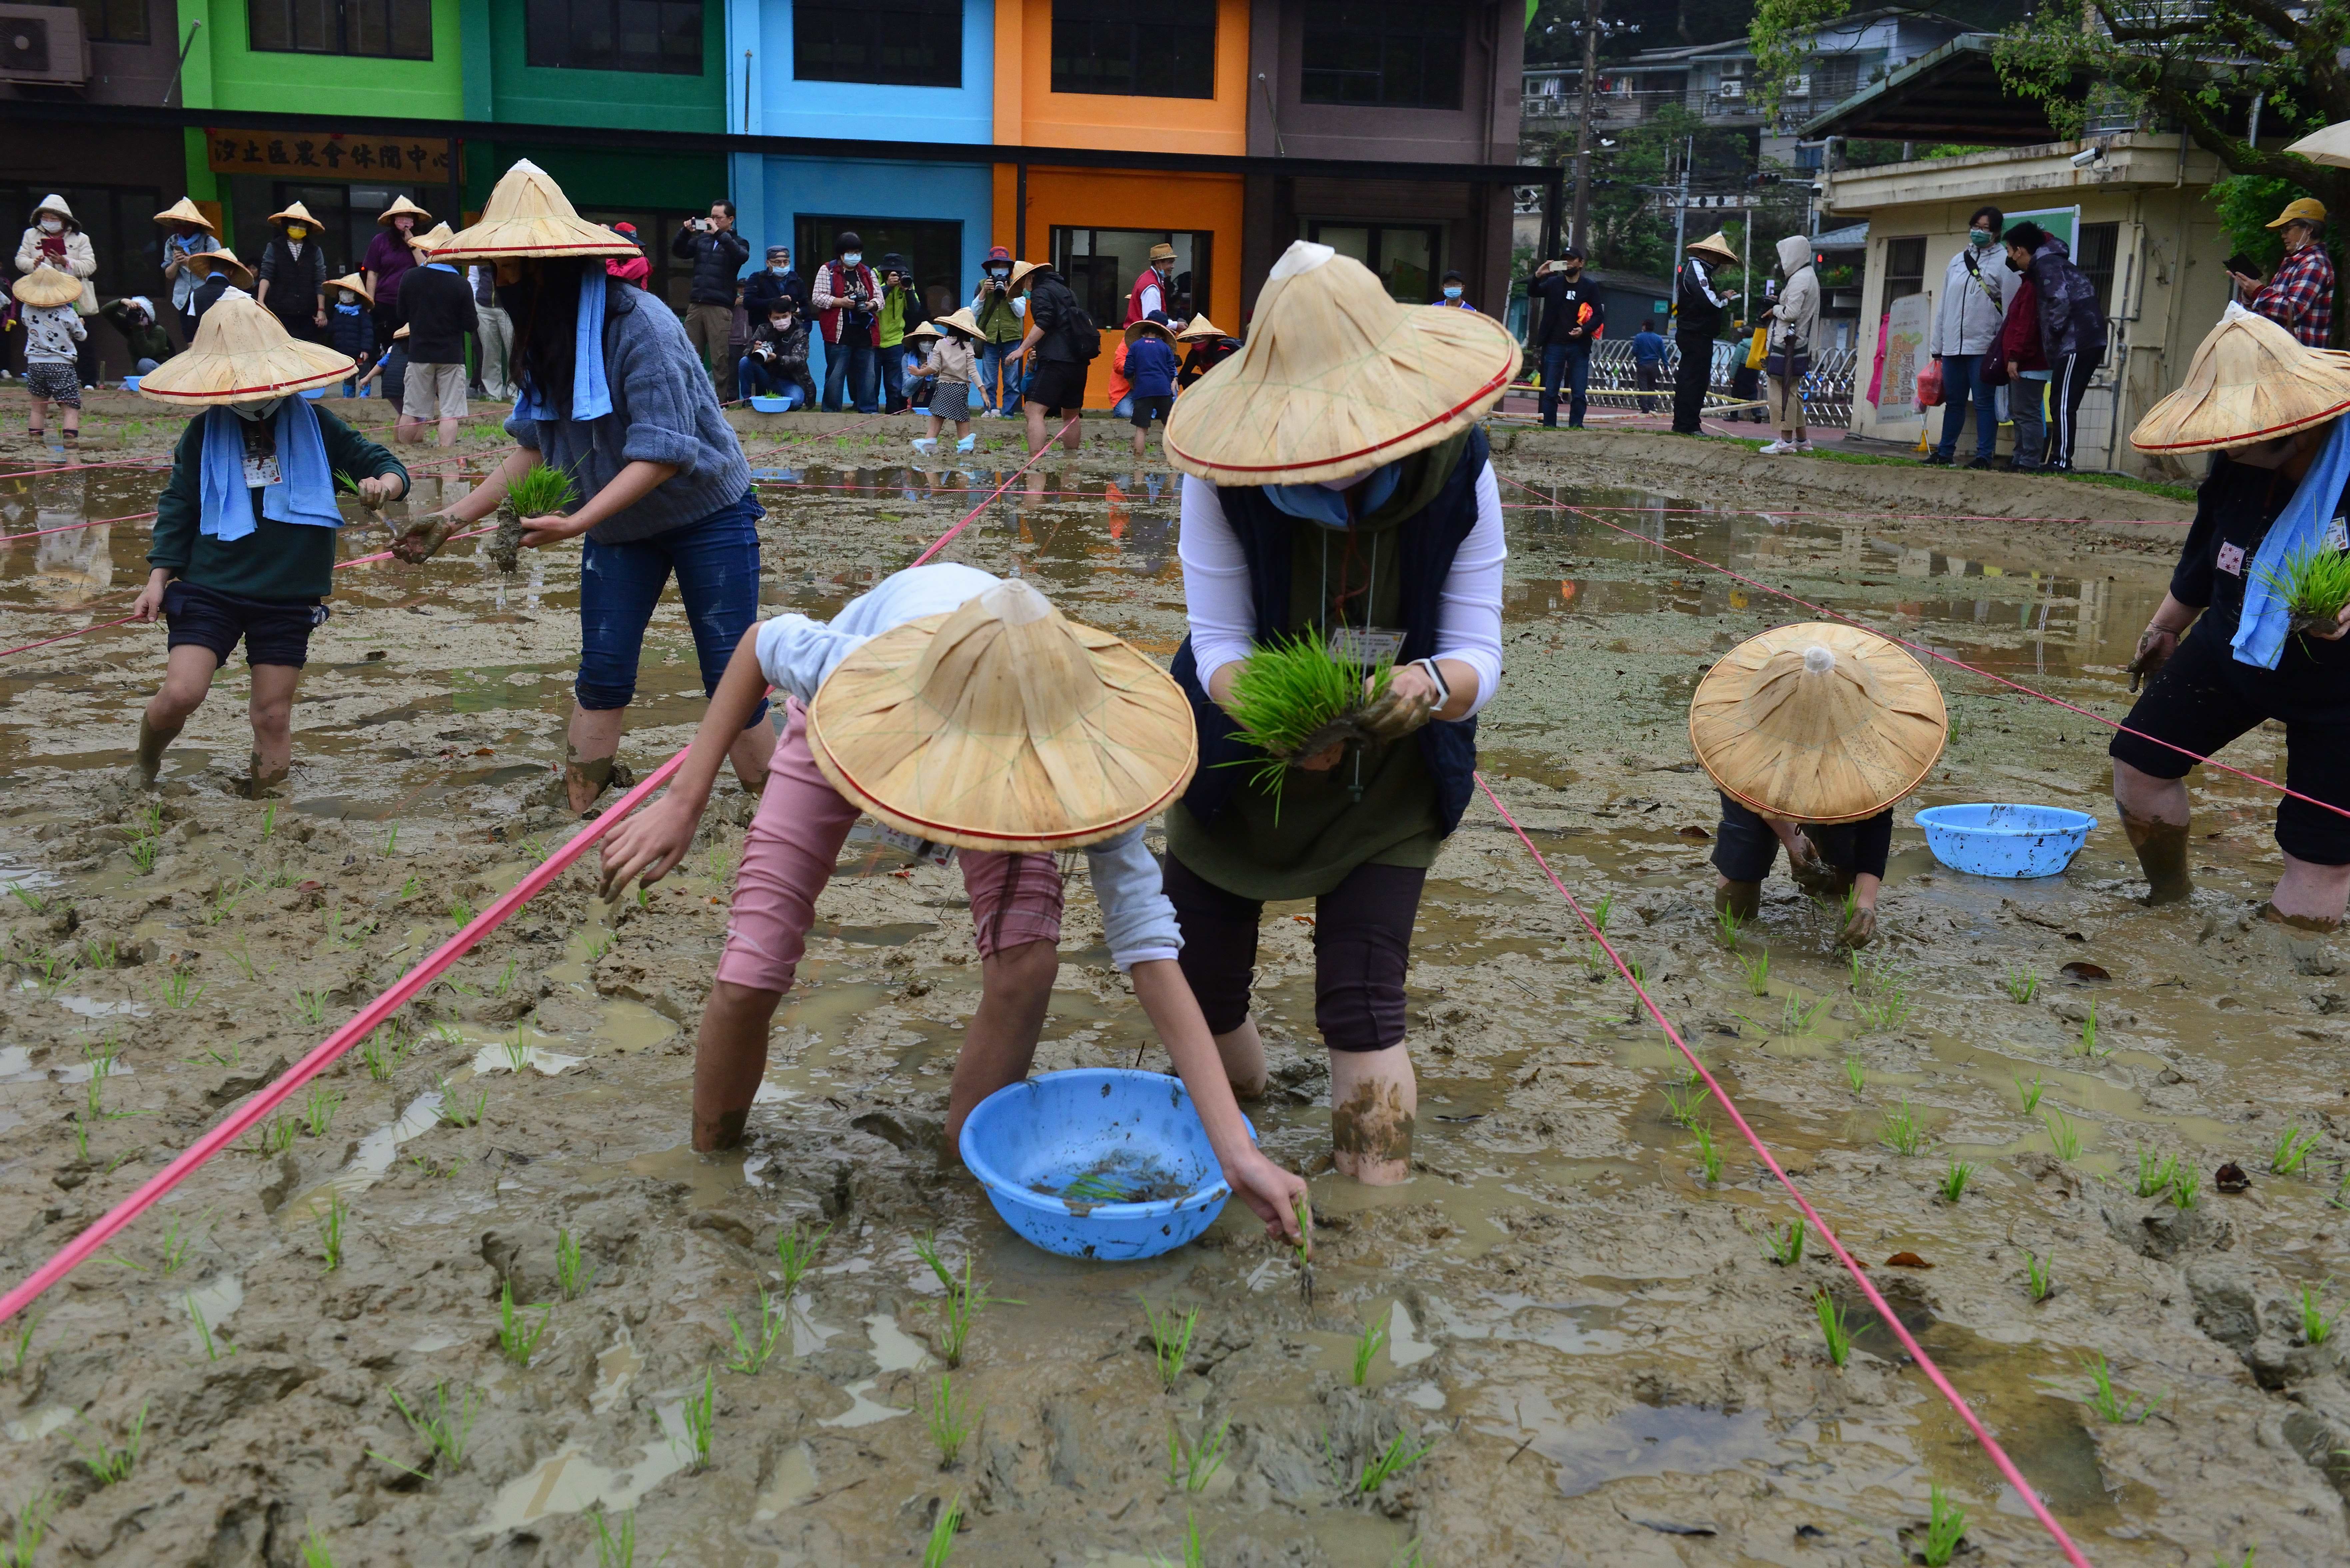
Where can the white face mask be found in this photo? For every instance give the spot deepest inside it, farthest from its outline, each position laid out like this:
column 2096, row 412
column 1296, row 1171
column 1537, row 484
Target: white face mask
column 253, row 413
column 779, row 269
column 52, row 225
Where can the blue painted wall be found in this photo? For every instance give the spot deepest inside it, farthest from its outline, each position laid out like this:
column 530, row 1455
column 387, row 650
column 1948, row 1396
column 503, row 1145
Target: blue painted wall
column 780, row 106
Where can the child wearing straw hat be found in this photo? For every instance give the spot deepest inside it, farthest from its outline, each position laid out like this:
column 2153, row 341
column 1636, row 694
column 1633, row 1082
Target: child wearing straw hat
column 243, row 547
column 2241, row 636
column 1336, row 487
column 614, row 395
column 1150, row 367
column 953, row 362
column 53, row 335
column 961, row 710
column 1813, row 732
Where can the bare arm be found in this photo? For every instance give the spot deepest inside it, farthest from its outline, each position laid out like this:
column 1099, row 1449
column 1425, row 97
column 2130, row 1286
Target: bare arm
column 640, row 479
column 651, row 844
column 1268, row 1190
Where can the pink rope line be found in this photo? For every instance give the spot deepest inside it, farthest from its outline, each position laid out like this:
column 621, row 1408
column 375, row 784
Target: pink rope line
column 1884, row 1311
column 74, row 527
column 147, row 463
column 940, row 543
column 1775, row 512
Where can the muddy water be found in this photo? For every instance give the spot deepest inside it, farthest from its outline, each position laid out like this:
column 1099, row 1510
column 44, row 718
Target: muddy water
column 1581, row 1327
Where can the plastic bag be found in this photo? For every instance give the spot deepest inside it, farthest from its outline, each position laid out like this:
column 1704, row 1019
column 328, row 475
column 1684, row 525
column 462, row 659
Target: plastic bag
column 1930, row 386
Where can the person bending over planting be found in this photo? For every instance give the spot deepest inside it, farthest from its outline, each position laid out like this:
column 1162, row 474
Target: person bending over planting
column 2252, row 625
column 964, row 711
column 243, row 547
column 615, row 399
column 1336, row 491
column 1813, row 732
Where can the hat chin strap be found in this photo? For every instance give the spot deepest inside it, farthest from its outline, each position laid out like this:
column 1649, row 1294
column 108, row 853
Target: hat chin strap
column 1818, row 660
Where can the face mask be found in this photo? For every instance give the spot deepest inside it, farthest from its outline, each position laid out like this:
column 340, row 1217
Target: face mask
column 1451, row 291
column 52, row 225
column 1979, row 237
column 296, row 231
column 2011, row 267
column 253, row 413
column 850, row 258
column 779, row 269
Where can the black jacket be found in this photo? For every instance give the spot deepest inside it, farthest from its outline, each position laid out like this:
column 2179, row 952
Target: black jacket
column 1696, row 313
column 1563, row 299
column 293, row 281
column 717, row 261
column 1052, row 307
column 207, row 292
column 438, row 307
column 763, row 288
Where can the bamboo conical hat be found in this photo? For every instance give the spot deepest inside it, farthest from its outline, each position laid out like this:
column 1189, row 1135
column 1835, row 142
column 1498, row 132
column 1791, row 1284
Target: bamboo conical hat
column 47, row 286
column 1336, row 378
column 227, row 258
column 962, row 320
column 430, row 240
column 926, row 329
column 2249, row 380
column 1817, row 721
column 355, row 283
column 1200, row 328
column 242, row 354
column 1716, row 244
column 295, row 212
column 1134, row 329
column 401, row 204
column 185, row 210
column 528, row 215
column 2331, row 145
column 1003, row 725
column 1020, row 271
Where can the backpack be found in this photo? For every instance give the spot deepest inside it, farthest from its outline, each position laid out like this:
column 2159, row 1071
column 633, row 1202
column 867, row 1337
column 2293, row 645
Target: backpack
column 1082, row 334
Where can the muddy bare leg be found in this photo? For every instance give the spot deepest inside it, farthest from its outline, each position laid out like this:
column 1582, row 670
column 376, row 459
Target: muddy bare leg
column 1374, row 1102
column 1742, row 900
column 272, row 712
column 595, row 742
column 730, row 1057
column 1002, row 1040
column 1242, row 1051
column 2309, row 896
column 2155, row 815
column 187, row 676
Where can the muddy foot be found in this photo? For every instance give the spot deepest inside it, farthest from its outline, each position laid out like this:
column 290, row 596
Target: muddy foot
column 2310, row 923
column 2162, row 854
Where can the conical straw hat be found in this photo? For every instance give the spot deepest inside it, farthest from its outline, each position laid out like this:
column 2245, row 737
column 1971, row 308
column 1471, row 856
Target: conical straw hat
column 222, row 254
column 294, row 213
column 529, row 216
column 355, row 283
column 47, row 286
column 1200, row 328
column 401, row 204
column 1336, row 378
column 241, row 354
column 1147, row 324
column 184, row 211
column 1000, row 725
column 430, row 240
column 926, row 329
column 1817, row 721
column 1716, row 244
column 963, row 321
column 2250, row 382
column 1020, row 271
column 2331, row 145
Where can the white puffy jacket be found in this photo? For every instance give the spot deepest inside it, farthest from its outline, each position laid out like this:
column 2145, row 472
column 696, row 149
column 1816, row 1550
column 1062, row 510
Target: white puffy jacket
column 1973, row 304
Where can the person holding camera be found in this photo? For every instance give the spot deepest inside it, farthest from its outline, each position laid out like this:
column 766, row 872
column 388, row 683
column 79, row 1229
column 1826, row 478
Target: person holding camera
column 1572, row 316
column 901, row 307
column 848, row 306
column 1003, row 318
column 717, row 253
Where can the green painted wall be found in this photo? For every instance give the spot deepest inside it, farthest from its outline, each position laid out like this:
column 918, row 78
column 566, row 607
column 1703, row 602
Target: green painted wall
column 603, row 179
column 510, row 91
column 232, row 75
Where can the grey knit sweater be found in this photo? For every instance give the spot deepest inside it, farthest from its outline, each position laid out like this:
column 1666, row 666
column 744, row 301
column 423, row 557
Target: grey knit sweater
column 664, row 410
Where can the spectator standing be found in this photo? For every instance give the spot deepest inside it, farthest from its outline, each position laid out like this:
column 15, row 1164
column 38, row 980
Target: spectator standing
column 2027, row 372
column 1150, row 291
column 775, row 281
column 1967, row 325
column 493, row 330
column 1003, row 316
column 900, row 308
column 438, row 304
column 847, row 297
column 53, row 334
column 1571, row 318
column 2072, row 331
column 1205, row 348
column 717, row 253
column 1647, row 364
column 2298, row 295
column 186, row 232
column 1697, row 322
column 350, row 327
column 134, row 318
column 1150, row 369
column 1451, row 289
column 388, row 258
column 56, row 240
column 637, row 268
column 1060, row 342
column 1793, row 324
column 293, row 275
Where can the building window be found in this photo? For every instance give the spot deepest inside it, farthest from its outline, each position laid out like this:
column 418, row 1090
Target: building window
column 1905, row 269
column 385, row 29
column 899, row 43
column 1407, row 256
column 2095, row 257
column 1101, row 265
column 933, row 252
column 120, row 221
column 656, row 36
column 1104, row 47
column 1377, row 52
column 114, row 21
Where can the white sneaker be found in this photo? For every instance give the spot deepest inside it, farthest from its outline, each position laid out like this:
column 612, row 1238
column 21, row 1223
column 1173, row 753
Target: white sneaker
column 926, row 444
column 1802, row 446
column 1775, row 448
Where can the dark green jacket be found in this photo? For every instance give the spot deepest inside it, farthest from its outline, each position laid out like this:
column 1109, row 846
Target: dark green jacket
column 285, row 561
column 148, row 342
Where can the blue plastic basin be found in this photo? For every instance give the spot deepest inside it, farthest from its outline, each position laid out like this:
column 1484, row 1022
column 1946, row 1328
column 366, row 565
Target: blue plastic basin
column 131, row 384
column 763, row 403
column 314, row 393
column 1029, row 1142
column 2005, row 840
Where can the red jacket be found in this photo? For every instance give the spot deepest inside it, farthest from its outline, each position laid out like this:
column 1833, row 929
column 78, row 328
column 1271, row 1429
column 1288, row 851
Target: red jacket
column 1149, row 278
column 2019, row 333
column 833, row 286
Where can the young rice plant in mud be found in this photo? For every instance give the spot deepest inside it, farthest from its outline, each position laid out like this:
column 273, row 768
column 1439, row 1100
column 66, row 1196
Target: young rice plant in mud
column 1195, row 1548
column 2154, row 1172
column 1190, row 1468
column 2107, row 1401
column 316, row 1553
column 753, row 1350
column 278, row 1134
column 2089, row 1046
column 572, row 1275
column 319, row 1110
column 32, row 1528
column 518, row 1338
column 1855, row 1073
column 2292, row 1148
column 2316, row 1328
column 2030, row 1093
column 330, row 1229
column 1288, row 695
column 2021, row 985
column 110, row 1465
column 1729, row 930
column 2186, row 1184
column 1946, row 1526
column 1832, row 1331
column 1757, row 972
column 2314, row 585
column 22, row 1341
column 1955, row 1179
column 965, row 1300
column 700, row 1416
column 536, row 493
column 1785, row 1248
column 1681, row 1108
column 1902, row 1134
column 950, row 1417
column 1400, row 1454
column 1366, row 1350
column 1708, row 1156
column 446, row 1431
column 460, row 1112
column 1171, row 1341
column 939, row 1547
column 215, row 1346
column 2063, row 1136
column 795, row 1253
column 2040, row 1276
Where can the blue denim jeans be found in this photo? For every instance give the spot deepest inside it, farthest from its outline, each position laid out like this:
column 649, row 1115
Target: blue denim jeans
column 893, row 378
column 991, row 368
column 851, row 363
column 1961, row 379
column 1571, row 361
column 717, row 565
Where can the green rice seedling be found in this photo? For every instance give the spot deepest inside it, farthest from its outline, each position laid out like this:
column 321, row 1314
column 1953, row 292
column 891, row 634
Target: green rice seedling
column 380, row 1058
column 596, row 950
column 2063, row 1136
column 239, row 956
column 100, row 953
column 109, row 1465
column 411, row 889
column 390, row 842
column 330, row 1229
column 2030, row 1093
column 1195, row 1548
column 617, row 1549
column 1290, row 693
column 2040, row 1276
column 315, row 1550
column 1366, row 1348
column 101, row 1056
column 144, row 852
column 517, row 1051
column 1171, row 1341
column 1885, row 1014
column 941, row 1545
column 2089, row 1036
column 30, row 900
column 1757, row 971
column 795, row 1253
column 702, row 1419
column 1680, row 1106
column 180, row 991
column 753, row 1350
column 1955, row 1179
column 460, row 911
column 319, row 1110
column 277, row 1134
column 2114, row 1406
column 1946, row 1526
column 430, row 1169
column 1302, row 1206
column 1795, row 1017
column 446, row 1431
column 2021, row 983
column 1190, row 1467
column 2314, row 585
column 151, row 821
column 32, row 1529
column 1831, row 1327
column 2154, row 1172
column 518, row 1338
column 2316, row 1328
column 2291, row 1149
column 950, row 1417
column 449, row 1035
column 572, row 1275
column 460, row 1112
column 2221, row 1558
column 176, row 1245
column 1902, row 1134
column 1855, row 1073
column 1728, row 929
column 312, row 1004
column 214, row 1348
column 81, row 1138
column 2186, row 1184
column 1708, row 1156
column 23, row 1342
column 536, row 493
column 505, row 977
column 1785, row 1248
column 1400, row 1454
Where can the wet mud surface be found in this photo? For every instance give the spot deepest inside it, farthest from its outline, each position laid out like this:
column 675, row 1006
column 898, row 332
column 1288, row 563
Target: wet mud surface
column 1582, row 1328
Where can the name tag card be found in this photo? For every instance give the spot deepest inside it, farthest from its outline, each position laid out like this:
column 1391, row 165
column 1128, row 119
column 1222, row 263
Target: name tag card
column 917, row 848
column 1368, row 646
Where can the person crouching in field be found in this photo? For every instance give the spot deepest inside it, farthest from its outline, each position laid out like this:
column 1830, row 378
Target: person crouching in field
column 243, row 547
column 961, row 709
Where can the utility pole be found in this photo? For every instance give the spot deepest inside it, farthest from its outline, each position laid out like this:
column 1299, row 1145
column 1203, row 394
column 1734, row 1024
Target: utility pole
column 1680, row 211
column 1582, row 235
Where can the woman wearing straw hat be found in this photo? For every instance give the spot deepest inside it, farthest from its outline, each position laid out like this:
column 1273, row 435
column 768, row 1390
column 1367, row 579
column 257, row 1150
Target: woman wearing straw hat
column 1813, row 732
column 615, row 395
column 964, row 713
column 243, row 547
column 1697, row 322
column 294, row 273
column 1337, row 486
column 2228, row 648
column 186, row 232
column 392, row 253
column 56, row 240
column 1053, row 357
column 1205, row 346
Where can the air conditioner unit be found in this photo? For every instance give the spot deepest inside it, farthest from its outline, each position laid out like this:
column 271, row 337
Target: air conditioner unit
column 1731, row 86
column 43, row 43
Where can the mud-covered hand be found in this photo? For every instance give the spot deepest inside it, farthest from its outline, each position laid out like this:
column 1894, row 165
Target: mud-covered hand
column 649, row 844
column 2334, row 633
column 383, row 487
column 2156, row 644
column 1811, row 873
column 1409, row 703
column 423, row 538
column 1270, row 1192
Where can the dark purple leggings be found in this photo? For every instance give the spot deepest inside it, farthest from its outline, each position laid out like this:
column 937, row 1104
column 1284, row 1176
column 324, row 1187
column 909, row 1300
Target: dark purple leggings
column 1362, row 943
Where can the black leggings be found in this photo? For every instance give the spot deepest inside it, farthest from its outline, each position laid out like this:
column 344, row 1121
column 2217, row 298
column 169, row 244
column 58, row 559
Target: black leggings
column 1362, row 943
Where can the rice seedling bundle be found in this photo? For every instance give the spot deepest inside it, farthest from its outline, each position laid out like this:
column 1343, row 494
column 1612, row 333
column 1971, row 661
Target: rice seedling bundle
column 2314, row 586
column 540, row 489
column 1294, row 698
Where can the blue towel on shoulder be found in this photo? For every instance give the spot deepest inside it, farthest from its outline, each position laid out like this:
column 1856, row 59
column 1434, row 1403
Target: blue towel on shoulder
column 2298, row 528
column 591, row 396
column 304, row 491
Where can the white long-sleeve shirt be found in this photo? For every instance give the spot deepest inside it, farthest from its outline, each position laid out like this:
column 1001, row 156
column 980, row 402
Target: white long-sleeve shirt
column 798, row 654
column 1222, row 610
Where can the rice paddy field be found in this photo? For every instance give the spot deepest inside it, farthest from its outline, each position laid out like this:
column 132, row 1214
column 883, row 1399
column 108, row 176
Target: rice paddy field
column 472, row 1299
